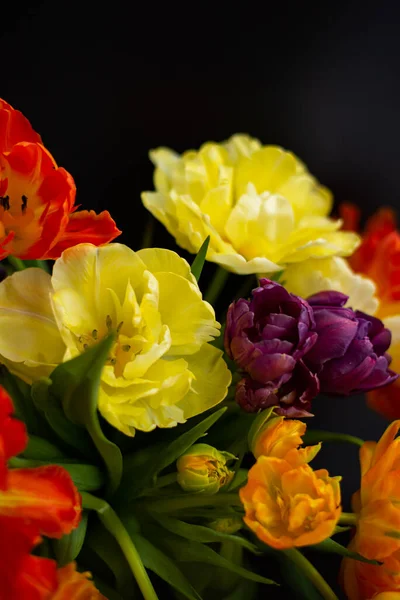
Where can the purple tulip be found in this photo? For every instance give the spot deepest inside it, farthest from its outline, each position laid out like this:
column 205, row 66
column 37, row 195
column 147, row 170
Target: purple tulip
column 292, row 399
column 349, row 356
column 267, row 336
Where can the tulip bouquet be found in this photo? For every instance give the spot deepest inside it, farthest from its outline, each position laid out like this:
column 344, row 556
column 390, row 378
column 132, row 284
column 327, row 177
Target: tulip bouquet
column 148, row 451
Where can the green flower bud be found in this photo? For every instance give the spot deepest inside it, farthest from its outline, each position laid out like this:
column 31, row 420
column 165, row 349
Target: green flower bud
column 203, row 469
column 228, row 525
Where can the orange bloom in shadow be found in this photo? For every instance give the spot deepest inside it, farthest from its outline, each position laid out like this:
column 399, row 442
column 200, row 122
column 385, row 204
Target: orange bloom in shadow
column 377, row 505
column 281, row 438
column 72, row 584
column 37, row 198
column 378, row 257
column 34, row 502
column 288, row 507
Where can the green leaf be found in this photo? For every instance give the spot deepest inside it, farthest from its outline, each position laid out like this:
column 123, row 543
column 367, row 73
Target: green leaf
column 294, row 579
column 247, row 590
column 106, row 547
column 155, row 560
column 106, row 590
column 77, row 383
column 258, row 424
column 198, row 263
column 20, row 394
column 74, row 436
column 330, row 545
column 165, row 457
column 40, row 449
column 189, row 551
column 87, row 478
column 186, row 440
column 67, row 548
column 239, row 480
column 276, row 276
column 200, row 533
column 314, row 436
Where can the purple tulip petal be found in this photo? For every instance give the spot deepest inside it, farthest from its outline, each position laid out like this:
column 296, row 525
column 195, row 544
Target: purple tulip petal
column 328, row 298
column 270, row 367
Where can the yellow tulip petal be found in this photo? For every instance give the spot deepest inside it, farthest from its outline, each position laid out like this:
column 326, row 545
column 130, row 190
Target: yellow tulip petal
column 210, row 386
column 165, row 160
column 338, row 243
column 165, row 261
column 236, row 263
column 29, row 336
column 190, row 320
column 241, row 146
column 333, row 273
column 149, row 402
column 301, row 191
column 84, row 274
column 267, row 169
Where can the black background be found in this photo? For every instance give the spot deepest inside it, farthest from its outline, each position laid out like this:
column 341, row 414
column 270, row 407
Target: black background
column 104, row 84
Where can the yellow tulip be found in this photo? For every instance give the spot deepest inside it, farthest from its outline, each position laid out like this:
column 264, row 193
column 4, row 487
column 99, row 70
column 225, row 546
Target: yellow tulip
column 161, row 370
column 334, row 273
column 259, row 205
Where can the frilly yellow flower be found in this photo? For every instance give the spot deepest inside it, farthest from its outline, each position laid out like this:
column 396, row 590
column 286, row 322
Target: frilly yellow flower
column 334, row 273
column 259, row 205
column 161, row 370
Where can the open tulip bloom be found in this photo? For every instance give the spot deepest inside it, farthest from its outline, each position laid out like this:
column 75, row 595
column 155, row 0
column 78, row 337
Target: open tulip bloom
column 114, row 366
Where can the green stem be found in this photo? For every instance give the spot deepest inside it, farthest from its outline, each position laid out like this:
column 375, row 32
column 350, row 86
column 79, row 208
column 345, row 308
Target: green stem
column 315, row 436
column 162, row 482
column 114, row 526
column 17, row 263
column 250, row 282
column 348, row 519
column 216, row 285
column 311, row 573
column 148, row 233
column 175, row 503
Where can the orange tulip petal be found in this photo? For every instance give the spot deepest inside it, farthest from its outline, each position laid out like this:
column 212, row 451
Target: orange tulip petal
column 14, row 128
column 386, row 401
column 386, row 440
column 73, row 585
column 45, row 496
column 350, row 215
column 86, row 227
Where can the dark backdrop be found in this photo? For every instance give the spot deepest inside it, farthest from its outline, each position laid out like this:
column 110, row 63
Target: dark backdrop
column 104, row 84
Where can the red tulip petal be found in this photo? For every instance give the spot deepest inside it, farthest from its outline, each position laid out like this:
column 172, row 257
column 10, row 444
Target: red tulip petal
column 86, row 227
column 44, row 496
column 14, row 128
column 13, row 436
column 22, row 575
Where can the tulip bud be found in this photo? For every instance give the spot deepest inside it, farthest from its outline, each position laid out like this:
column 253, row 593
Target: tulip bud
column 229, row 525
column 203, row 469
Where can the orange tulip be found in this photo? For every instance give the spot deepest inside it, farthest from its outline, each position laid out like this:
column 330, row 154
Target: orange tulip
column 281, row 438
column 363, row 581
column 37, row 198
column 71, row 584
column 378, row 257
column 288, row 507
column 377, row 505
column 34, row 502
